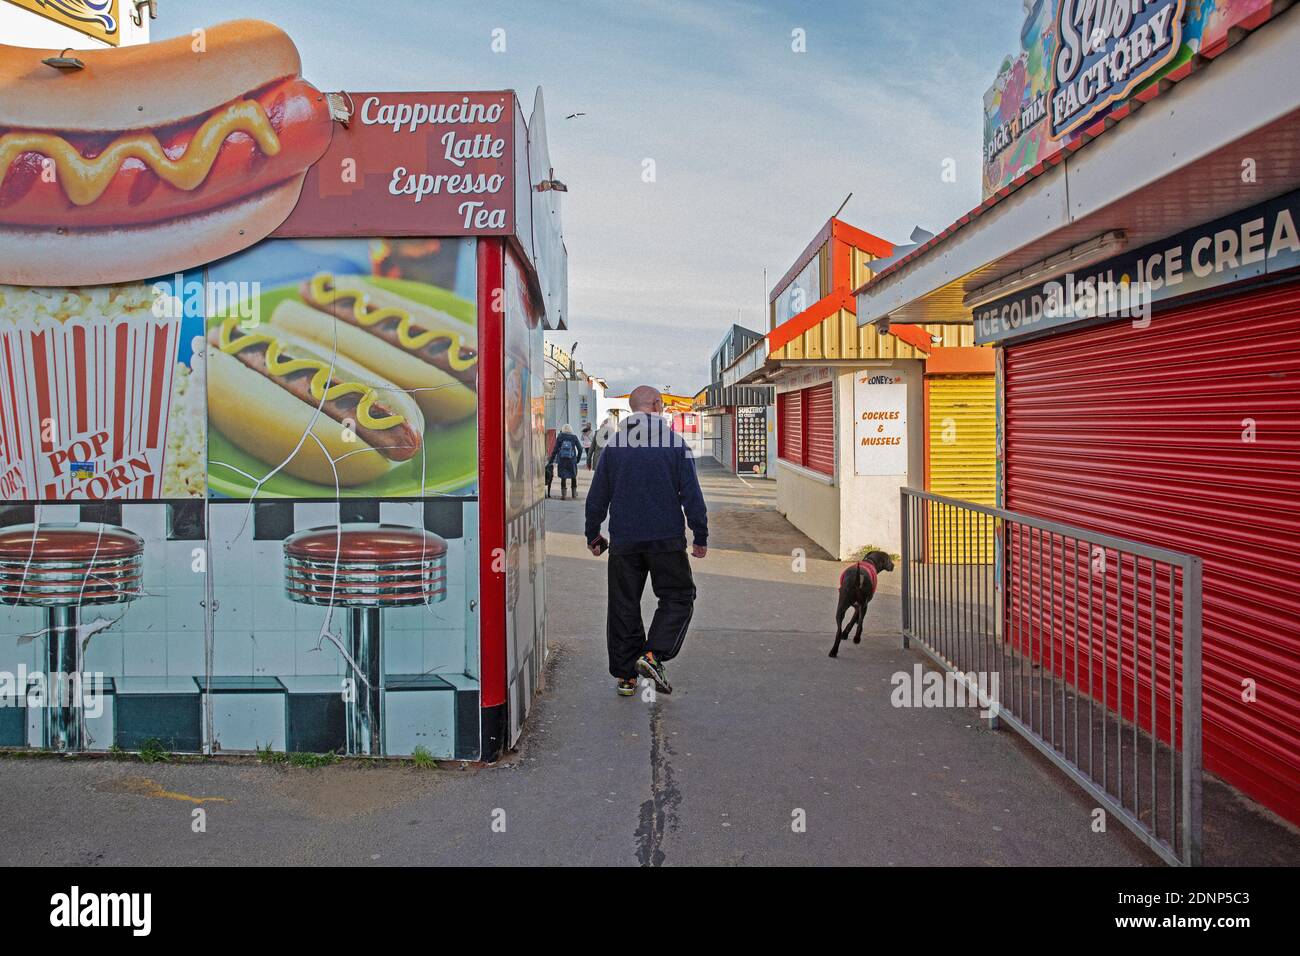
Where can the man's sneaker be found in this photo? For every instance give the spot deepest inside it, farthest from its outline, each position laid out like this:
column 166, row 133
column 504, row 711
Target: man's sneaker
column 651, row 669
column 626, row 686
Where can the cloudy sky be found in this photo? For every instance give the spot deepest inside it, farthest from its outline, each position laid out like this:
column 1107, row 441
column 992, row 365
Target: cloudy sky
column 754, row 145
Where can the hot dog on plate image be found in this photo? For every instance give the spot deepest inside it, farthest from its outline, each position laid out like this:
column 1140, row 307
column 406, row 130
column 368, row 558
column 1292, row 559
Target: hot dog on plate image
column 151, row 158
column 292, row 402
column 431, row 354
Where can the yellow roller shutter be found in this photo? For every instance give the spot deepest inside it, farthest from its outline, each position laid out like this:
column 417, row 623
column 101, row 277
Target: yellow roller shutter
column 960, row 413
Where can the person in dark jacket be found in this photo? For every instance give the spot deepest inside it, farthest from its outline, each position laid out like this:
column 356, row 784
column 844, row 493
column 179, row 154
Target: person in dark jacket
column 645, row 479
column 598, row 440
column 565, row 455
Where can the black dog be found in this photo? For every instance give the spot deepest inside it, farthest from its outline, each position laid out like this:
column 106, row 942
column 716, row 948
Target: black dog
column 550, row 477
column 857, row 588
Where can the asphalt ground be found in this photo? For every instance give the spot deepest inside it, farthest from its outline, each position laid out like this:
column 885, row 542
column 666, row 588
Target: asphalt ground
column 768, row 752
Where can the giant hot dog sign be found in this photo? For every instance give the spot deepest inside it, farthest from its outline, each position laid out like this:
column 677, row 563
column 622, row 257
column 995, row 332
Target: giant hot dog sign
column 414, row 164
column 149, row 160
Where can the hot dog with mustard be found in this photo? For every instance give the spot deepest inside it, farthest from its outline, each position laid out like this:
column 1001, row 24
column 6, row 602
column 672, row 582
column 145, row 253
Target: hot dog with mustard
column 427, row 352
column 151, row 158
column 286, row 400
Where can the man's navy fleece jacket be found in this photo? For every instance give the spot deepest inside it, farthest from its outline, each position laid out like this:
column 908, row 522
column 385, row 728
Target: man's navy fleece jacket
column 645, row 478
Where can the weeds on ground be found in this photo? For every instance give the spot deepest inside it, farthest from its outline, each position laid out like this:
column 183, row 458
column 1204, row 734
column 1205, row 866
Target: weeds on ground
column 862, row 553
column 422, row 758
column 311, row 761
column 267, row 755
column 152, row 751
column 23, row 753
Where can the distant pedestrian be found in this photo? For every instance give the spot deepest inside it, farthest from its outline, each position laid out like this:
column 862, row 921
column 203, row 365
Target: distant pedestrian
column 645, row 479
column 599, row 439
column 585, row 437
column 565, row 455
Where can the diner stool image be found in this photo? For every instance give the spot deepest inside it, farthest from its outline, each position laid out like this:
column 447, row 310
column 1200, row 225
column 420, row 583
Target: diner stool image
column 62, row 568
column 365, row 568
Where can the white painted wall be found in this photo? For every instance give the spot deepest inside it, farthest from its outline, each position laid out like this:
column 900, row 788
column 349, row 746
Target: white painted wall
column 565, row 397
column 869, row 508
column 573, row 403
column 811, row 502
column 849, row 512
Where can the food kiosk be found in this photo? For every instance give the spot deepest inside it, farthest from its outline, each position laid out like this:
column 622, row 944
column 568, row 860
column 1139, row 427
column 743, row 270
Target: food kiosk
column 271, row 405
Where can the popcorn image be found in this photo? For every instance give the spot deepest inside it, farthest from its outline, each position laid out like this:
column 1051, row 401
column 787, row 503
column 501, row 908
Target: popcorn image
column 86, row 396
column 185, row 472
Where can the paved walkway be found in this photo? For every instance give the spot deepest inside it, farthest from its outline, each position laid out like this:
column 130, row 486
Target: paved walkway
column 763, row 728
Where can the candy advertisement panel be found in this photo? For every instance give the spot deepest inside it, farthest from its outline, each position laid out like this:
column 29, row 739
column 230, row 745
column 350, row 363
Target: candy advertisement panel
column 1079, row 60
column 348, row 368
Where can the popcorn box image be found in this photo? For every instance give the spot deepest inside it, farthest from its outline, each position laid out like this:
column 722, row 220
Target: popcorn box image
column 97, row 392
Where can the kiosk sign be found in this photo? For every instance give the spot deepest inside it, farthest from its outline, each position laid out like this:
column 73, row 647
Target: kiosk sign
column 880, row 423
column 414, row 164
column 1078, row 61
column 1259, row 241
column 1105, row 49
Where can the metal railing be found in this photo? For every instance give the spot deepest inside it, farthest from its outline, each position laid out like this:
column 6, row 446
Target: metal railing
column 1086, row 644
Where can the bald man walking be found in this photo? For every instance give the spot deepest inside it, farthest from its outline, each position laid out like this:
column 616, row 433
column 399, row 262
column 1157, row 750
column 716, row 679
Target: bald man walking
column 645, row 479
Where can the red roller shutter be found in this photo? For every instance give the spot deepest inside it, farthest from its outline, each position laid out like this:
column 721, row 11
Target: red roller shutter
column 1186, row 435
column 819, row 428
column 789, row 414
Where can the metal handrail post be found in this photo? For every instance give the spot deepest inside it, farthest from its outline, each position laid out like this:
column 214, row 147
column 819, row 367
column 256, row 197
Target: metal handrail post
column 1192, row 710
column 906, row 556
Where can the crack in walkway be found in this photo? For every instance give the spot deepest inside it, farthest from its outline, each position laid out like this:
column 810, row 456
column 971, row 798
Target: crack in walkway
column 659, row 813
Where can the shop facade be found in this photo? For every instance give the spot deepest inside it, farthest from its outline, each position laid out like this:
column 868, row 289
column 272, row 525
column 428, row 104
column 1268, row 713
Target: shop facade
column 736, row 420
column 849, row 399
column 287, row 495
column 738, row 429
column 741, row 419
column 1147, row 335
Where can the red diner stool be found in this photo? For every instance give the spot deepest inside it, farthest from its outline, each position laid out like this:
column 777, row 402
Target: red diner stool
column 63, row 567
column 365, row 568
